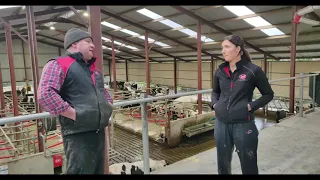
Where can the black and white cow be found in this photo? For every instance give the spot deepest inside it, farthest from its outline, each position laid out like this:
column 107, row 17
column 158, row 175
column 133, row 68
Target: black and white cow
column 135, row 167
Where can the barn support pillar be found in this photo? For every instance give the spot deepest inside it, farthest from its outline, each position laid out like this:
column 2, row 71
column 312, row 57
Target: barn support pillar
column 175, row 75
column 3, row 114
column 127, row 74
column 12, row 77
column 265, row 67
column 114, row 70
column 32, row 42
column 293, row 61
column 211, row 72
column 199, row 62
column 24, row 60
column 146, row 46
column 95, row 31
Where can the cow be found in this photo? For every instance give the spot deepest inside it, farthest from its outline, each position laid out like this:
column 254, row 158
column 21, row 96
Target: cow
column 135, row 167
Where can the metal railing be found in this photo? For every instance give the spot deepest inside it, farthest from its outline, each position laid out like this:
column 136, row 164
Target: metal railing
column 143, row 103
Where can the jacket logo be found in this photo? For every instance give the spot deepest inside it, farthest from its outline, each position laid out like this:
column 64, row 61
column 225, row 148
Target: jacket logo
column 242, row 77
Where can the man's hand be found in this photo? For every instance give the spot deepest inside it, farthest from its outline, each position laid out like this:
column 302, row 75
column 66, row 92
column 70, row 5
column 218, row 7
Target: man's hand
column 110, row 120
column 249, row 108
column 214, row 112
column 69, row 113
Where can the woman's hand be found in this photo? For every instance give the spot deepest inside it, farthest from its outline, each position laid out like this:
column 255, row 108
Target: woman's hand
column 249, row 108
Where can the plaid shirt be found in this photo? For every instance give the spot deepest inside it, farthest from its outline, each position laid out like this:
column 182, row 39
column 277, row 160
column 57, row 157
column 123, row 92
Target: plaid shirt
column 51, row 81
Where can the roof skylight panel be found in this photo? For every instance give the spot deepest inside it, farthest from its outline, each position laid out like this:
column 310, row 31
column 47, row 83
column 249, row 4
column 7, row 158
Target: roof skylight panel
column 6, row 7
column 131, row 33
column 149, row 13
column 105, row 39
column 272, row 32
column 239, row 10
column 111, row 49
column 118, row 43
column 110, row 25
column 65, row 15
column 171, row 24
column 257, row 21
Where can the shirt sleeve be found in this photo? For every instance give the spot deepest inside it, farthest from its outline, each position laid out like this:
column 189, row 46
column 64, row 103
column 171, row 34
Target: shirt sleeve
column 108, row 97
column 50, row 84
column 215, row 95
column 261, row 82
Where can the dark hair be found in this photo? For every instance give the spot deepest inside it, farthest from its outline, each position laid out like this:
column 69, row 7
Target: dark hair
column 238, row 41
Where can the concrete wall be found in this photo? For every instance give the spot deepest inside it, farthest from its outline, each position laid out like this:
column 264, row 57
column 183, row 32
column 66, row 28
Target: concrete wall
column 187, row 74
column 34, row 164
column 45, row 52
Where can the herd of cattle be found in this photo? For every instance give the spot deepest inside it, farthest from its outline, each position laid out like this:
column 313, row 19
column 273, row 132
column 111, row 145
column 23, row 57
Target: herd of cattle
column 135, row 167
column 25, row 100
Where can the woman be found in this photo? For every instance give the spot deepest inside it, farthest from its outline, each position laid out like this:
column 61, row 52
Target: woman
column 234, row 83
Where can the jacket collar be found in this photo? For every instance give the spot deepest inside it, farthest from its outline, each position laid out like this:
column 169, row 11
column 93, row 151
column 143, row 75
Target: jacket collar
column 79, row 57
column 239, row 64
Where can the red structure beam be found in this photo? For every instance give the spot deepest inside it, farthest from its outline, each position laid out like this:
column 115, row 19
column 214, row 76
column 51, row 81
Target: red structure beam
column 32, row 41
column 199, row 62
column 1, row 95
column 127, row 75
column 12, row 77
column 175, row 75
column 146, row 46
column 114, row 69
column 12, row 73
column 293, row 61
column 95, row 31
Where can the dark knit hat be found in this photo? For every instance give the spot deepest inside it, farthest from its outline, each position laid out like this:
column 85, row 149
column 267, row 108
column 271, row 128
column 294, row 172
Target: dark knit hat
column 74, row 35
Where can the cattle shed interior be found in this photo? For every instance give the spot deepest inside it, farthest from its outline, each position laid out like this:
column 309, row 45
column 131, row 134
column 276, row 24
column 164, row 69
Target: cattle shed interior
column 177, row 48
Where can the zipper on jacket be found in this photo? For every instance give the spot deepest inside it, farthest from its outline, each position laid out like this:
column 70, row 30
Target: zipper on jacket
column 98, row 129
column 95, row 90
column 231, row 87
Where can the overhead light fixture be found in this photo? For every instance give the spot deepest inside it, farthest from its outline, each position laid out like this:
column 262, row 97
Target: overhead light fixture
column 52, row 28
column 6, row 7
column 85, row 14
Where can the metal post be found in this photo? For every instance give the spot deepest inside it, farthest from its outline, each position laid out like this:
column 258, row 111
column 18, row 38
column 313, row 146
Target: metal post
column 301, row 97
column 3, row 114
column 32, row 42
column 24, row 60
column 12, row 73
column 175, row 75
column 211, row 72
column 95, row 32
column 146, row 45
column 314, row 93
column 114, row 73
column 265, row 66
column 127, row 75
column 293, row 61
column 199, row 66
column 109, row 69
column 145, row 137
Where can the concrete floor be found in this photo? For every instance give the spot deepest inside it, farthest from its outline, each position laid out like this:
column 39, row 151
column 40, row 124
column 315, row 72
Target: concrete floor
column 290, row 147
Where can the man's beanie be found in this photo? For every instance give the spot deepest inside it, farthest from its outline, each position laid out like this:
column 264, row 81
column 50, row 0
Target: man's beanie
column 74, row 35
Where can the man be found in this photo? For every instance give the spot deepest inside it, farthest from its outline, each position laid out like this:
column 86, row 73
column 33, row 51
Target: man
column 73, row 89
